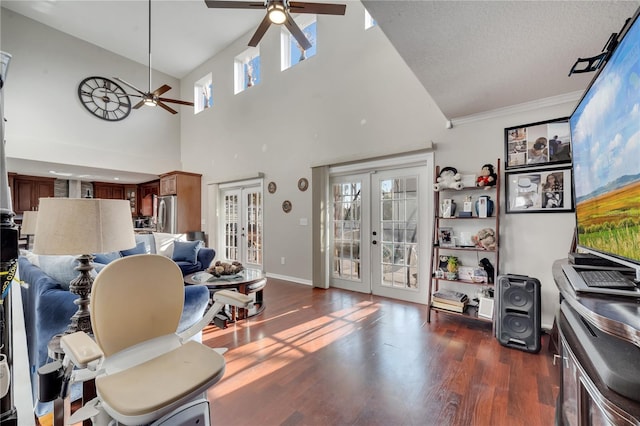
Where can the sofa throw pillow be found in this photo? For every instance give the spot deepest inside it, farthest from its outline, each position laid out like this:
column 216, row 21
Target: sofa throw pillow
column 106, row 258
column 164, row 242
column 61, row 268
column 149, row 242
column 186, row 251
column 140, row 248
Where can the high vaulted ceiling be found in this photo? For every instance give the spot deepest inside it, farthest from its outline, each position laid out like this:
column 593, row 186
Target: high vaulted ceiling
column 471, row 56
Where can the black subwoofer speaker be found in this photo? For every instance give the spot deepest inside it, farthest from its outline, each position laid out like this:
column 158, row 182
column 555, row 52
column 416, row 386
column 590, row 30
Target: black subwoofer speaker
column 518, row 312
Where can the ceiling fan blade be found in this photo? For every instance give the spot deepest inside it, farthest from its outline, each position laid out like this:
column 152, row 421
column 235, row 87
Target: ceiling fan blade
column 160, row 90
column 262, row 28
column 138, row 105
column 319, row 8
column 175, row 101
column 234, row 4
column 130, row 85
column 171, row 110
column 296, row 32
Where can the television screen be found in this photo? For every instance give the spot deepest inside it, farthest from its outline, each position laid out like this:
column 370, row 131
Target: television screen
column 605, row 137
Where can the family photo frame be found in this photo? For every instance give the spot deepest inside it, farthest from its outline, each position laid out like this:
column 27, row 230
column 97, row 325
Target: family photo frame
column 546, row 143
column 539, row 191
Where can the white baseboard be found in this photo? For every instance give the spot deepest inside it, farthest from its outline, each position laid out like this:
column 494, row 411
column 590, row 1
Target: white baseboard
column 288, row 278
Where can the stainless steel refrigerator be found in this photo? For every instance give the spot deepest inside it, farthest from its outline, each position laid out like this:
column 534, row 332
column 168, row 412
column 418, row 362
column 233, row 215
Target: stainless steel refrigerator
column 166, row 214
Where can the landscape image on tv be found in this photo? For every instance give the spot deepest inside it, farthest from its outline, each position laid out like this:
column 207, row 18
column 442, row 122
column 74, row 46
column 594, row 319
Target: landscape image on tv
column 605, row 133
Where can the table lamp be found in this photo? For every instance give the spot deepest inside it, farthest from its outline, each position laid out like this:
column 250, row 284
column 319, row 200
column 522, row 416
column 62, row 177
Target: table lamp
column 83, row 225
column 28, row 227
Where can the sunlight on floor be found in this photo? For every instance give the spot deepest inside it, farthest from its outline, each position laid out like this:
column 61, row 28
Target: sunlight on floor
column 277, row 351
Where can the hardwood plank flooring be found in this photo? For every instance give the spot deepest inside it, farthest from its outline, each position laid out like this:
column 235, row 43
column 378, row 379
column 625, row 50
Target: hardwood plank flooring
column 333, row 357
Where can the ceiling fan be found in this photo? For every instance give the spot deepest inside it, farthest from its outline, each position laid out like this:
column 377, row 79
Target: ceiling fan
column 279, row 12
column 153, row 98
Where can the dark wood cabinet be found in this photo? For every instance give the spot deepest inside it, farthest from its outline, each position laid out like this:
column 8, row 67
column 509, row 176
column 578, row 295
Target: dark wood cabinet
column 27, row 191
column 112, row 191
column 146, row 191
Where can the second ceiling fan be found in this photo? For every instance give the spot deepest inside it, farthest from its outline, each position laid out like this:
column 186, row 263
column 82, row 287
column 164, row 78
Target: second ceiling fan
column 279, row 12
column 153, row 98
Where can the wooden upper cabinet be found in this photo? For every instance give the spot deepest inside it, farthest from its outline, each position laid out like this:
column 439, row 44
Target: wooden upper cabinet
column 27, row 191
column 169, row 185
column 187, row 187
column 112, row 191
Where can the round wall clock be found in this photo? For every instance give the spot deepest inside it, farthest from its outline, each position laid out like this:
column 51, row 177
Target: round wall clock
column 104, row 98
column 303, row 184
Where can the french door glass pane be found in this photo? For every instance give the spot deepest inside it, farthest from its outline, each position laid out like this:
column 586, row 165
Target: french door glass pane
column 399, row 225
column 346, row 230
column 254, row 228
column 231, row 227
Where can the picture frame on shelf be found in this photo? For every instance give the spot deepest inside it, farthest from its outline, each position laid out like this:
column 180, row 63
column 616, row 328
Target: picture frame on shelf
column 546, row 143
column 539, row 191
column 445, row 236
column 448, row 208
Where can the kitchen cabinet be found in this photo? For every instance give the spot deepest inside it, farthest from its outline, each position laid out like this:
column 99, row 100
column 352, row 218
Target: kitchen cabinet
column 131, row 194
column 187, row 188
column 111, row 191
column 146, row 191
column 27, row 191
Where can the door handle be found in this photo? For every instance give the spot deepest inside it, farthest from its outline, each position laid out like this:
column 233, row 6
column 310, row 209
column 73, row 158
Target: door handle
column 374, row 242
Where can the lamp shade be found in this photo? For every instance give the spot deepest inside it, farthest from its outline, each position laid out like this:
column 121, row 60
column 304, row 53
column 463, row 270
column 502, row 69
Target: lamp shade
column 83, row 226
column 28, row 226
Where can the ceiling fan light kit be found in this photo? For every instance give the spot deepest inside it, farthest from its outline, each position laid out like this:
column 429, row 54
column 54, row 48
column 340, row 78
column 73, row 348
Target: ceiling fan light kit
column 279, row 13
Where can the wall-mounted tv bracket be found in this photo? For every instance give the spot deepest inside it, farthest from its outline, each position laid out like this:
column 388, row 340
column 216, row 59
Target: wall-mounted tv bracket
column 596, row 62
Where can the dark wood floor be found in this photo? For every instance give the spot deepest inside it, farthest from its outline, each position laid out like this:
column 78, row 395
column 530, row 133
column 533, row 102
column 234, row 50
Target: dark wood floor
column 332, row 357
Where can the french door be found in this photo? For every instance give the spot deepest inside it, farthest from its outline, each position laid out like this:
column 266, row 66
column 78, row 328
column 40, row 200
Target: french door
column 241, row 224
column 379, row 234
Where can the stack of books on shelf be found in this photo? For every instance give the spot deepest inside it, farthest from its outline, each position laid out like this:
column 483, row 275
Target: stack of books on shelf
column 449, row 300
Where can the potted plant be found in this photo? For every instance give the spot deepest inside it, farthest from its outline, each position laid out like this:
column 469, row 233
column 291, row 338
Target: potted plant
column 452, row 267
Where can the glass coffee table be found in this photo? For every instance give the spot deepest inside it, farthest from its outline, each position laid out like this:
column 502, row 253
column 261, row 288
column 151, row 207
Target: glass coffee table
column 248, row 281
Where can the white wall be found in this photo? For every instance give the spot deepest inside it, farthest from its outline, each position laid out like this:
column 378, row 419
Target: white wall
column 355, row 99
column 46, row 120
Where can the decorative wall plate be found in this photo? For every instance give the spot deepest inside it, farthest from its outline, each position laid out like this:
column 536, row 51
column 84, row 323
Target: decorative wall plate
column 286, row 206
column 303, row 184
column 272, row 187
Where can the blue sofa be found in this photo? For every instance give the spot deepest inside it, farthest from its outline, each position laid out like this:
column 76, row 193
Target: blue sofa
column 190, row 256
column 48, row 306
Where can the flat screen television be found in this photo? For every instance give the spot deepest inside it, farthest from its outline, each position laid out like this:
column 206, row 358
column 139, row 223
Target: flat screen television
column 605, row 138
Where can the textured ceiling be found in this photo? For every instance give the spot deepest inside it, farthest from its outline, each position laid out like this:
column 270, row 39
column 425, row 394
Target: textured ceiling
column 478, row 56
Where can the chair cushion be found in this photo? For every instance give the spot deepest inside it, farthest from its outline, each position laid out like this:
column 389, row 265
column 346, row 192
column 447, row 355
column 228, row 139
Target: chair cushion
column 186, row 251
column 140, row 248
column 134, row 392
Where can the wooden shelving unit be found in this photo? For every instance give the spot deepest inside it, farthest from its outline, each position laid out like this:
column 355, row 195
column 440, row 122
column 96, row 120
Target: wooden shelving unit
column 437, row 283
